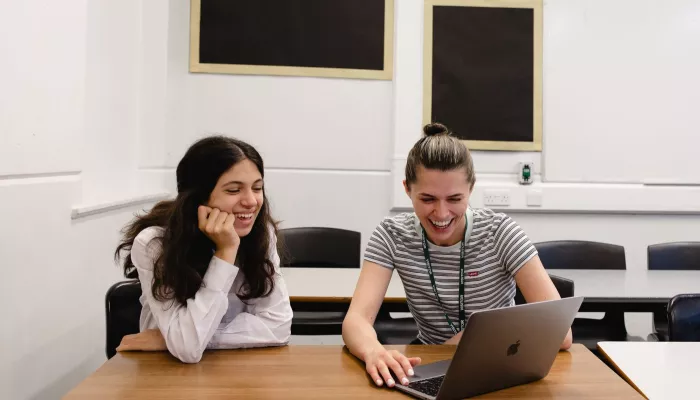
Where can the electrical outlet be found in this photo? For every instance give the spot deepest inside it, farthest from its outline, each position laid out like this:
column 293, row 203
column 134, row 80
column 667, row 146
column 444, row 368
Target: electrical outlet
column 497, row 197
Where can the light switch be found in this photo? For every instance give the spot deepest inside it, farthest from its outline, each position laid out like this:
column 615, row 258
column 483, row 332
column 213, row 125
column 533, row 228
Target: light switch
column 534, row 197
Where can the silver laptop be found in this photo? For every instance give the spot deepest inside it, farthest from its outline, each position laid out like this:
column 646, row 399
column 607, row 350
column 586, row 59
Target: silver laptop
column 499, row 348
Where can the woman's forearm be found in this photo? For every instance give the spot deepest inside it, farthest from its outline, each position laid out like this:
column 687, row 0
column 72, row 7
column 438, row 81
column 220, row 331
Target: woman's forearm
column 359, row 336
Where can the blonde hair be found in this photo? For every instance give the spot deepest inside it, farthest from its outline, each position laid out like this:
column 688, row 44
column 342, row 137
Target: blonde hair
column 438, row 149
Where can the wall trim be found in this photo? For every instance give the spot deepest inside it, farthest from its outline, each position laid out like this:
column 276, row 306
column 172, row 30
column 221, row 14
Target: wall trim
column 570, row 198
column 83, row 211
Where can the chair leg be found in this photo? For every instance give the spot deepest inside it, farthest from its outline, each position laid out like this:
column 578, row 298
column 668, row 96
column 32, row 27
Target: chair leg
column 616, row 320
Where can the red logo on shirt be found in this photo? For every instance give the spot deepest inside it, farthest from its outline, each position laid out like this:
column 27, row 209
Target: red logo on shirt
column 473, row 273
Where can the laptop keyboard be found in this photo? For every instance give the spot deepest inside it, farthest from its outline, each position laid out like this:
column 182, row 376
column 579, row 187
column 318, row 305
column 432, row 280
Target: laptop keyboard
column 429, row 386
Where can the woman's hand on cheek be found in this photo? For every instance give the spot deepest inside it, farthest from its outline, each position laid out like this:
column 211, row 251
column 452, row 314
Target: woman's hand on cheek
column 218, row 226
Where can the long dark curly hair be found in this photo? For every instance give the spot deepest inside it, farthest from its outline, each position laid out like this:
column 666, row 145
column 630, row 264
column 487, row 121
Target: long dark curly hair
column 186, row 251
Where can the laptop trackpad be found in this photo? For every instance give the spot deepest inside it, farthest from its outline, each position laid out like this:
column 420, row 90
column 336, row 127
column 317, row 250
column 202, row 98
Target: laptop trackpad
column 430, row 370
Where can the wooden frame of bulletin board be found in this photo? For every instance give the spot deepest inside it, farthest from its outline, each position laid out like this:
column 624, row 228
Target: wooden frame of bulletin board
column 385, row 72
column 463, row 86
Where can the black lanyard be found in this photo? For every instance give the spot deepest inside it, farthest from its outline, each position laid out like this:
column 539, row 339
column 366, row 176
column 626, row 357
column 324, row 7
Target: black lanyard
column 428, row 265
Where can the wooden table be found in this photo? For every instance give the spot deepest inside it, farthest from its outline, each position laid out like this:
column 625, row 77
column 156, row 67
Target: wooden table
column 659, row 370
column 327, row 372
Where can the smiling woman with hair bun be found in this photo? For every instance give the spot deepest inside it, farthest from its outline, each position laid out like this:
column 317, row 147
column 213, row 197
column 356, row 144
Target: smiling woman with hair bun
column 442, row 243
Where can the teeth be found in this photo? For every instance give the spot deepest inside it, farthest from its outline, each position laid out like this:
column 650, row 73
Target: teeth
column 244, row 216
column 441, row 224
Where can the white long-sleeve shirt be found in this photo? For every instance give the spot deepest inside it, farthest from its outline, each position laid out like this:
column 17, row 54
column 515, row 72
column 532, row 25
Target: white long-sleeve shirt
column 215, row 318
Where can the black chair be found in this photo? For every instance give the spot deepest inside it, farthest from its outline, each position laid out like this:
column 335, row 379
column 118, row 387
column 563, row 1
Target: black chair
column 580, row 254
column 684, row 318
column 392, row 330
column 564, row 286
column 319, row 248
column 315, row 247
column 674, row 256
column 122, row 311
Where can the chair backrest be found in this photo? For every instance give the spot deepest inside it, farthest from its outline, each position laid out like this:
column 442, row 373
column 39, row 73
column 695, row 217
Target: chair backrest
column 674, row 256
column 580, row 254
column 684, row 318
column 122, row 310
column 564, row 286
column 319, row 248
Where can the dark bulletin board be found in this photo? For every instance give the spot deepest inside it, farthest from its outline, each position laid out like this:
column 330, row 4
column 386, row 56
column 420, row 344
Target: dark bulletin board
column 483, row 71
column 331, row 38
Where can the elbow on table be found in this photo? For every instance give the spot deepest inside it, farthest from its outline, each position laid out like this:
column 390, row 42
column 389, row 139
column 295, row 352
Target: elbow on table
column 188, row 356
column 568, row 341
column 284, row 332
column 188, row 353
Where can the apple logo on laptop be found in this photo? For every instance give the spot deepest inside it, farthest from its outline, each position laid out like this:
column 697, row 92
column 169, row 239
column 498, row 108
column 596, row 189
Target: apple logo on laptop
column 513, row 348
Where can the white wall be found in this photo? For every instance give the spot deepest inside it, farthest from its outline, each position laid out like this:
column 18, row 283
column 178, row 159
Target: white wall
column 112, row 101
column 56, row 273
column 42, row 86
column 154, row 77
column 69, row 126
column 607, row 124
column 621, row 81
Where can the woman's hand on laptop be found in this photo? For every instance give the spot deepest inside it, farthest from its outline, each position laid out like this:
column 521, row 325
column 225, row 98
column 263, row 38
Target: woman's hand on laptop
column 379, row 361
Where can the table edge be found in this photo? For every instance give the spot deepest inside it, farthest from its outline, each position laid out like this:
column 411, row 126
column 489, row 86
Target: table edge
column 620, row 371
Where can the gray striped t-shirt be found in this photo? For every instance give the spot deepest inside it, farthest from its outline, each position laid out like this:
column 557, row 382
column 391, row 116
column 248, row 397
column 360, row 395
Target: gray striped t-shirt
column 496, row 249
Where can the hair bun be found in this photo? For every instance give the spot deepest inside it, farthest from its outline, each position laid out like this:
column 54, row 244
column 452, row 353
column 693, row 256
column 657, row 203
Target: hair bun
column 435, row 128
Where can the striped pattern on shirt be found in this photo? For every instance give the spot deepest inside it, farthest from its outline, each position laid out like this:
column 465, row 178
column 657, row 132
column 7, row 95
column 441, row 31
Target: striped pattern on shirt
column 497, row 248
